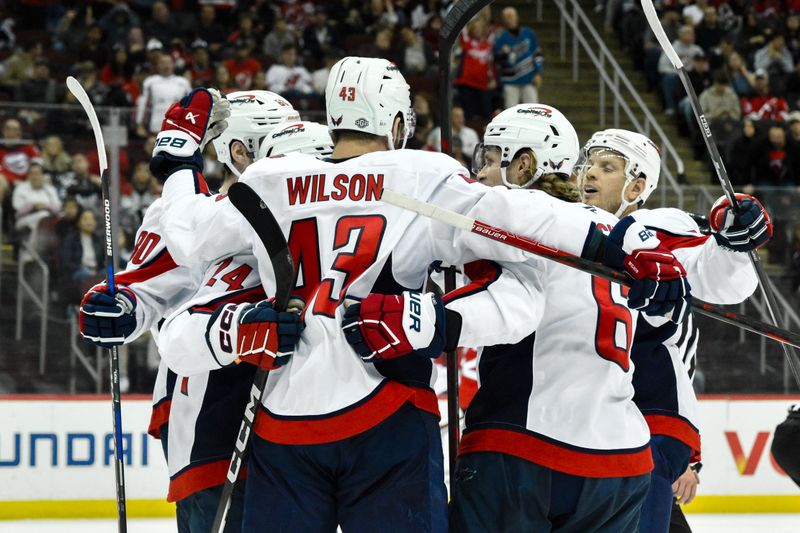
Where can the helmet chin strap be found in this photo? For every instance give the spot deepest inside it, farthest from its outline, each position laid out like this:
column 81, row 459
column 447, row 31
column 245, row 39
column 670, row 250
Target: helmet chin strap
column 624, row 204
column 527, row 185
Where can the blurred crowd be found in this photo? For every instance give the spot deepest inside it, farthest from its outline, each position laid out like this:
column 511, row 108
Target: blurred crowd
column 743, row 61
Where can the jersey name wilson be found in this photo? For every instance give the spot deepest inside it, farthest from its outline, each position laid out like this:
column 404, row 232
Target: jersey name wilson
column 318, row 188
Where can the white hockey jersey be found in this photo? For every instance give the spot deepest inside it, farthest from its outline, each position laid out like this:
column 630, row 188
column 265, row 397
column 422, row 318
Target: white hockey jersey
column 347, row 243
column 662, row 350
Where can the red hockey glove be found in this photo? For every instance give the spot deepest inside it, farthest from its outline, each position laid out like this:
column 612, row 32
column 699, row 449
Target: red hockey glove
column 660, row 286
column 191, row 123
column 749, row 230
column 107, row 320
column 253, row 333
column 386, row 326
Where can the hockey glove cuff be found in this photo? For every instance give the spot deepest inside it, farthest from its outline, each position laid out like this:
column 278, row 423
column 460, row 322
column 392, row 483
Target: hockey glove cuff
column 107, row 320
column 747, row 231
column 387, row 326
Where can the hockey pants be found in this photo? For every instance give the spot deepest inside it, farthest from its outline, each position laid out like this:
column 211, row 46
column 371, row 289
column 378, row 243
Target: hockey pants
column 671, row 458
column 500, row 493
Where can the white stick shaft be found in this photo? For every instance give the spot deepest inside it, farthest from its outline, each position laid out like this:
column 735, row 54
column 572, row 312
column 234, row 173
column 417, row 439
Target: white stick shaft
column 79, row 93
column 661, row 36
column 441, row 214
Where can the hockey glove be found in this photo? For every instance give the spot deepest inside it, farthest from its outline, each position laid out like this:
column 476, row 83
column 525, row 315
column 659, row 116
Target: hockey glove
column 660, row 286
column 253, row 333
column 188, row 126
column 107, row 320
column 386, row 326
column 749, row 230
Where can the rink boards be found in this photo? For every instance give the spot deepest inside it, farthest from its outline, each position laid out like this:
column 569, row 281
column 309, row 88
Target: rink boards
column 56, row 457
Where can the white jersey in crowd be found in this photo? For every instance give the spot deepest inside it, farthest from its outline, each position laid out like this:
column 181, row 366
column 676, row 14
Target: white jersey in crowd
column 158, row 93
column 348, row 243
column 663, row 351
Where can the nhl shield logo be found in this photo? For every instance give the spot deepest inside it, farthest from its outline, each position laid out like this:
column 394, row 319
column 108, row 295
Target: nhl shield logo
column 362, row 123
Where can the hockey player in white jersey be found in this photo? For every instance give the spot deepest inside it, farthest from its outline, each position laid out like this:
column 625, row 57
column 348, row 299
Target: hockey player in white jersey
column 621, row 171
column 191, row 414
column 553, row 441
column 340, row 440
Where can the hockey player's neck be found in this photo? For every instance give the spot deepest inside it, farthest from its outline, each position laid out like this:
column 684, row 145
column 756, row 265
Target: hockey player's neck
column 346, row 149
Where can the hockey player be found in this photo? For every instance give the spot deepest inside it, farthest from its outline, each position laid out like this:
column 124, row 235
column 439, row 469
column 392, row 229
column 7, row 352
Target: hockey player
column 187, row 413
column 339, row 439
column 553, row 441
column 620, row 173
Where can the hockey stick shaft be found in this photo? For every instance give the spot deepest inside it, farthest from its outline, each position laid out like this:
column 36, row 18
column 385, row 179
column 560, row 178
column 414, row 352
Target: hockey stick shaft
column 585, row 265
column 79, row 93
column 269, row 231
column 727, row 187
column 452, row 26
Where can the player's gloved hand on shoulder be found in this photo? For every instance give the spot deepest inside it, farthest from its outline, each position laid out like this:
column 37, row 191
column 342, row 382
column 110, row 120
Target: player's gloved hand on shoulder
column 747, row 231
column 188, row 126
column 660, row 286
column 107, row 320
column 257, row 334
column 386, row 326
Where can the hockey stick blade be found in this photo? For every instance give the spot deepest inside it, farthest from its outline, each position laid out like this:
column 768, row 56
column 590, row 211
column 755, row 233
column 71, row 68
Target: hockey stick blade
column 457, row 220
column 258, row 215
column 722, row 174
column 80, row 95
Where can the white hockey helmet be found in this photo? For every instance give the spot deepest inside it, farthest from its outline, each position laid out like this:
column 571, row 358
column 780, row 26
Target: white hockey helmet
column 641, row 155
column 253, row 115
column 305, row 137
column 366, row 94
column 541, row 128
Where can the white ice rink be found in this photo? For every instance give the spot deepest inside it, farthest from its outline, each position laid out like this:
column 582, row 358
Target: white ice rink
column 701, row 523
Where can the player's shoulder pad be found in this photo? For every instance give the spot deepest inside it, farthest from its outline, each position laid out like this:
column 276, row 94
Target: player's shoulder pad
column 667, row 220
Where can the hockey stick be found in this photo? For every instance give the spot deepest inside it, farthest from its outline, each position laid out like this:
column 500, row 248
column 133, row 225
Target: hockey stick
column 466, row 223
column 269, row 231
column 453, row 24
column 722, row 174
column 80, row 95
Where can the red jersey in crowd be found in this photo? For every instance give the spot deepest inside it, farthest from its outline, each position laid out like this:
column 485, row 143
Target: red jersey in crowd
column 15, row 160
column 765, row 108
column 243, row 72
column 477, row 62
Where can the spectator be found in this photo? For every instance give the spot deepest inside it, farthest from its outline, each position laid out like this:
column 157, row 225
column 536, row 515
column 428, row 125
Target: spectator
column 686, row 49
column 137, row 48
column 794, row 126
column 287, row 77
column 475, row 80
column 143, row 192
column 19, row 66
column 776, row 60
column 382, row 46
column 700, row 77
column 763, row 105
column 720, row 101
column 162, row 25
column 709, row 33
column 99, row 93
column 159, row 91
column 414, row 56
column 40, row 88
column 319, row 78
column 279, row 38
column 82, row 250
column 69, row 217
column 378, row 15
column 245, row 31
column 671, row 22
column 55, row 161
column 92, row 48
column 223, row 80
column 467, row 136
column 793, row 36
column 739, row 157
column 84, row 187
column 200, row 71
column 423, row 128
column 519, row 58
column 694, row 12
column 209, row 30
column 742, row 79
column 117, row 22
column 16, row 155
column 33, row 200
column 775, row 159
column 321, row 35
column 751, row 37
column 118, row 71
column 422, row 106
column 296, row 13
column 242, row 67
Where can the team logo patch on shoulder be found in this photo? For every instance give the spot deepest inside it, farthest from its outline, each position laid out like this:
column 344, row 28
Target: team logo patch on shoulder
column 362, row 123
column 537, row 110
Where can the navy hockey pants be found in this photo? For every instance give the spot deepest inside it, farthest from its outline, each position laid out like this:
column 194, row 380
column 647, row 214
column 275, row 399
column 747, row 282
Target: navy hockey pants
column 389, row 479
column 671, row 459
column 196, row 512
column 500, row 493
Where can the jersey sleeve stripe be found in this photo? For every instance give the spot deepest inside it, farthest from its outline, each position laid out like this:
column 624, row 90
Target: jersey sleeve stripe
column 159, row 417
column 481, row 273
column 160, row 264
column 253, row 294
